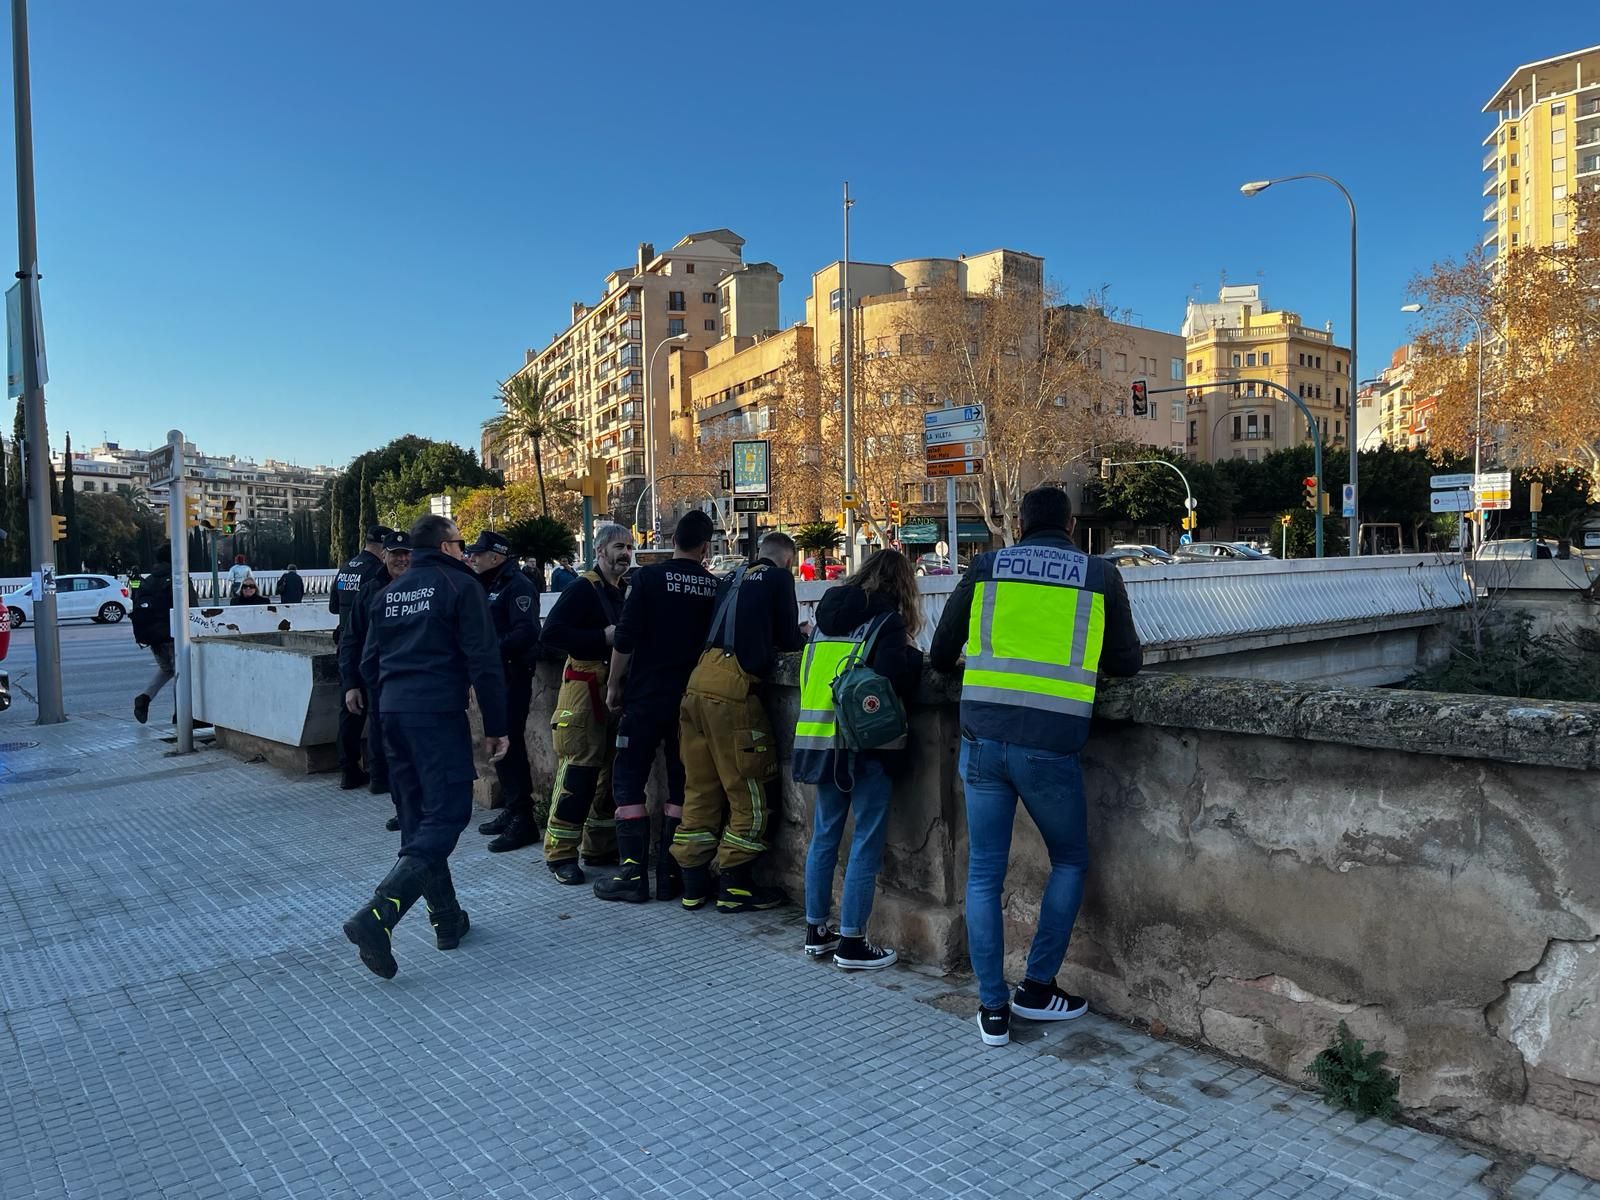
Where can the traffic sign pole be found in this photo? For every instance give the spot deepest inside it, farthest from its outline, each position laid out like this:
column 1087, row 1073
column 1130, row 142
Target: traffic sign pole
column 177, row 516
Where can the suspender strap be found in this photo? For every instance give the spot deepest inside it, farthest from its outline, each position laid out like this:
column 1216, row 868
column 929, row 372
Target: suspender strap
column 722, row 624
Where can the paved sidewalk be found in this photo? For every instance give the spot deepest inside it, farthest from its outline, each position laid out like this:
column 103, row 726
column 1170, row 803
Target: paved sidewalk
column 183, row 1018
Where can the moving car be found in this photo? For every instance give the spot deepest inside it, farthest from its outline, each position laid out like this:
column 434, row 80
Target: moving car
column 100, row 598
column 725, row 564
column 1126, row 557
column 1515, row 548
column 938, row 564
column 1220, row 552
column 1153, row 553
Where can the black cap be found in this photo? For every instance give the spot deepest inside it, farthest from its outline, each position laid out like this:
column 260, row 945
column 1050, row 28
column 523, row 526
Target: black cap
column 379, row 533
column 397, row 540
column 490, row 540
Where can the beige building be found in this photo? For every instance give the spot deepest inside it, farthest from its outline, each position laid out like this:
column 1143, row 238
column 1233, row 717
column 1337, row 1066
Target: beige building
column 1239, row 339
column 1135, row 352
column 1391, row 413
column 1545, row 145
column 597, row 365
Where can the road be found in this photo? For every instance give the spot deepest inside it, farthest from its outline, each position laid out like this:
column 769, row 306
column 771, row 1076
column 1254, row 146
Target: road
column 101, row 671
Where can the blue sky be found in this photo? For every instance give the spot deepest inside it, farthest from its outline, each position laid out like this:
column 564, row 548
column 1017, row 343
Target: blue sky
column 298, row 230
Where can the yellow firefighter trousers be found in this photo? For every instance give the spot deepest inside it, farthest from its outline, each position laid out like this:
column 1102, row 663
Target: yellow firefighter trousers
column 582, row 811
column 729, row 761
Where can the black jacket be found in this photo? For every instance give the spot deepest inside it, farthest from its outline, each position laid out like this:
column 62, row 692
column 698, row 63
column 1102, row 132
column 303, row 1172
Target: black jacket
column 432, row 638
column 514, row 608
column 664, row 625
column 291, row 588
column 363, row 568
column 842, row 611
column 354, row 643
column 577, row 623
column 258, row 598
column 767, row 623
column 152, row 607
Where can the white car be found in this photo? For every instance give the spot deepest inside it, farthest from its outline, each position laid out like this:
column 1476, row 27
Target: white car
column 100, row 598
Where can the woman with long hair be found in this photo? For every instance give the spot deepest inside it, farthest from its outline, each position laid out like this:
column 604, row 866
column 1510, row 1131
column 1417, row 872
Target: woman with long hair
column 882, row 591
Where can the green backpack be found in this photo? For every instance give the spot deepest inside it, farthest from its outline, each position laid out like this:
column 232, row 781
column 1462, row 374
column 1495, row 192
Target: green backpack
column 867, row 713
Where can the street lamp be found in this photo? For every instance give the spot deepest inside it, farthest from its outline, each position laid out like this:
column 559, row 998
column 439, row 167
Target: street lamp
column 1256, row 187
column 650, row 423
column 1477, row 418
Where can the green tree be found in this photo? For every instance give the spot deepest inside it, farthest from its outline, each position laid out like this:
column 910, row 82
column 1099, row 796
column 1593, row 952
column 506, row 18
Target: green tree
column 527, row 415
column 18, row 541
column 404, row 471
column 368, row 508
column 544, row 539
column 109, row 533
column 819, row 537
column 71, row 546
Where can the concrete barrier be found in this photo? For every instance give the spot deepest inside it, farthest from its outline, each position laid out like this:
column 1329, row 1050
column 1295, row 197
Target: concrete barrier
column 274, row 695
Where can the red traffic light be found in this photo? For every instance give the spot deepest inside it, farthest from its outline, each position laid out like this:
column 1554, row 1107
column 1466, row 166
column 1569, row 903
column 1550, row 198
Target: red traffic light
column 1141, row 398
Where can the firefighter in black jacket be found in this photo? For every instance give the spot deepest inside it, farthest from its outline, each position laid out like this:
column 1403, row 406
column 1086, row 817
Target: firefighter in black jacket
column 514, row 606
column 343, row 601
column 431, row 639
column 362, row 693
column 583, row 625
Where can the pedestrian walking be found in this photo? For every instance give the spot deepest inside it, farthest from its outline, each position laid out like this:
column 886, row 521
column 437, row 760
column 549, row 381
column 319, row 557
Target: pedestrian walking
column 563, row 576
column 152, row 628
column 808, row 570
column 361, row 692
column 237, row 574
column 431, row 639
column 730, row 757
column 249, row 593
column 291, row 588
column 583, row 626
column 1036, row 622
column 875, row 615
column 514, row 608
column 342, row 600
column 663, row 628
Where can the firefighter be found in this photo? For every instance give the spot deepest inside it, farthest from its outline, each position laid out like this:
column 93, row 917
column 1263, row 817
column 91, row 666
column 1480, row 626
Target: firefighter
column 662, row 631
column 730, row 757
column 583, row 625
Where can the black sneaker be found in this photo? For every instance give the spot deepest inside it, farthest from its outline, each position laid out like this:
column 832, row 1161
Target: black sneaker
column 858, row 954
column 497, row 823
column 349, row 781
column 820, row 940
column 141, row 708
column 1046, row 1002
column 995, row 1026
column 392, row 824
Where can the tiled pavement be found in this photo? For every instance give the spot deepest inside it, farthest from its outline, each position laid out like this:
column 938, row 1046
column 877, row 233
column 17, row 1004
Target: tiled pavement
column 183, row 1018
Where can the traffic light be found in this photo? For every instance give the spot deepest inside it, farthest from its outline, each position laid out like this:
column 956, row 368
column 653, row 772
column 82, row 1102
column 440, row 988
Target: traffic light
column 594, row 484
column 191, row 512
column 1141, row 398
column 230, row 514
column 1327, row 504
column 1285, row 520
column 1105, row 470
column 894, row 513
column 1309, row 483
column 1191, row 521
column 58, row 528
column 725, row 479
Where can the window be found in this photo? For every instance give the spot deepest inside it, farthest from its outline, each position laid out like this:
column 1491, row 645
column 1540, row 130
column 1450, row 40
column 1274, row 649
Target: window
column 1237, row 424
column 1266, row 358
column 1236, row 361
column 1177, row 369
column 1250, row 359
column 1558, row 135
column 1302, row 360
column 1558, row 108
column 1266, row 425
column 1177, row 410
column 1192, row 438
column 1122, row 362
column 674, row 327
column 1250, row 389
column 1513, row 187
column 711, row 324
column 1558, row 192
column 708, row 297
column 675, row 302
column 1319, row 362
column 833, row 300
column 1336, row 397
column 1338, row 367
column 688, row 268
column 1560, row 243
column 1559, row 220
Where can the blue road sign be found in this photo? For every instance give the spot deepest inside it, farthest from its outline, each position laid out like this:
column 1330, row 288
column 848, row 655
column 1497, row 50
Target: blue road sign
column 953, row 416
column 1186, row 540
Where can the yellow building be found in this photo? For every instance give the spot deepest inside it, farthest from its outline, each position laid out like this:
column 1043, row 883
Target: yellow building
column 1545, row 145
column 1240, row 339
column 1390, row 412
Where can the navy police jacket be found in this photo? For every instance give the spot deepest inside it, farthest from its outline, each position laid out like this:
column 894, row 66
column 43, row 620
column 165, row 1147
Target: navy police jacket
column 355, row 639
column 347, row 584
column 432, row 638
column 514, row 608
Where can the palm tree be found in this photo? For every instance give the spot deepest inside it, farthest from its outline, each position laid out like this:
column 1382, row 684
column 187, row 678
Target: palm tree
column 529, row 416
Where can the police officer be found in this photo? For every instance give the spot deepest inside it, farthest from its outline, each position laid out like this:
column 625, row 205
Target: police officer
column 343, row 600
column 431, row 638
column 662, row 631
column 583, row 626
column 361, row 695
column 1037, row 623
column 514, row 606
column 730, row 758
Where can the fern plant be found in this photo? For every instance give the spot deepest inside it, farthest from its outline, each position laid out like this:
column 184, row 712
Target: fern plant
column 1353, row 1078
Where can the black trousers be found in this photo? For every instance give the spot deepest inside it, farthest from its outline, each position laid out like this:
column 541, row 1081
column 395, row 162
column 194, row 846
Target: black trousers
column 640, row 733
column 513, row 771
column 351, row 726
column 431, row 774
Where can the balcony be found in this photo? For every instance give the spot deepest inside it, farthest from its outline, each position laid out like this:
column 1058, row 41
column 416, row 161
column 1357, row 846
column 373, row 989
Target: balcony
column 1490, row 185
column 1589, row 109
column 1492, row 237
column 1491, row 158
column 1491, row 212
column 1589, row 166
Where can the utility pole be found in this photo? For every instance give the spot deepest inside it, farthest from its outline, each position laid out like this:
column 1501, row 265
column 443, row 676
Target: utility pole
column 846, row 348
column 46, row 635
column 178, row 532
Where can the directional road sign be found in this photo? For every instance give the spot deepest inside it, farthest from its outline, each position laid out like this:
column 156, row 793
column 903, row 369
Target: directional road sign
column 953, row 450
column 1454, row 500
column 966, row 431
column 1451, row 481
column 1494, row 489
column 959, row 466
column 952, row 416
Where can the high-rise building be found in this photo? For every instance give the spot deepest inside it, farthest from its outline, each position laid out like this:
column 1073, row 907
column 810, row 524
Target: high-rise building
column 1240, row 340
column 264, row 491
column 596, row 366
column 1545, row 145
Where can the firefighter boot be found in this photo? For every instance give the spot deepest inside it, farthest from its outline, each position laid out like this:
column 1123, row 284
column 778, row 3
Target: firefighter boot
column 445, row 914
column 740, row 893
column 631, row 880
column 372, row 927
column 697, row 887
column 669, row 876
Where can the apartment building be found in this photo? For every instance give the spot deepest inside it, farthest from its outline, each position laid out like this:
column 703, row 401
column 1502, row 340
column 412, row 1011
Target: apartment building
column 1159, row 358
column 1241, row 339
column 605, row 365
column 1545, row 145
column 1390, row 413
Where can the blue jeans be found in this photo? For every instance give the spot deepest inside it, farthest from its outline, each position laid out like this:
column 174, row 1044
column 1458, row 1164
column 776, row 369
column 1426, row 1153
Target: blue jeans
column 1051, row 786
column 869, row 801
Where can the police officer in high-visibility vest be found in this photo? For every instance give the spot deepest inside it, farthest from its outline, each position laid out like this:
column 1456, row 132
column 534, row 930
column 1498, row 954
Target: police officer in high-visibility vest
column 730, row 758
column 583, row 626
column 514, row 605
column 342, row 600
column 361, row 694
column 1038, row 622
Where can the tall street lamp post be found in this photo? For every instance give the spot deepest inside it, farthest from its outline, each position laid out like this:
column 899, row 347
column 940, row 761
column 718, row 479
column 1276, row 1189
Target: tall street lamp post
column 1255, row 188
column 650, row 423
column 1477, row 417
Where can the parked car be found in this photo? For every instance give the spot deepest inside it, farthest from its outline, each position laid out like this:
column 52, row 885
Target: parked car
column 1516, row 548
column 100, row 598
column 725, row 564
column 1154, row 553
column 939, row 564
column 1264, row 551
column 1128, row 557
column 1220, row 552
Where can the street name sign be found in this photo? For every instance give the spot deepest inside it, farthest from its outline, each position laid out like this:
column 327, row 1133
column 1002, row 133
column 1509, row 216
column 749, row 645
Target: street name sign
column 952, row 416
column 1454, row 500
column 966, row 431
column 958, row 466
column 1451, row 481
column 161, row 472
column 953, row 450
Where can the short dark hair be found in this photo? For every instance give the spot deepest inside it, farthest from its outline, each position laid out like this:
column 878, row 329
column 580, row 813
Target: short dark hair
column 1046, row 508
column 776, row 540
column 164, row 555
column 694, row 531
column 428, row 532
